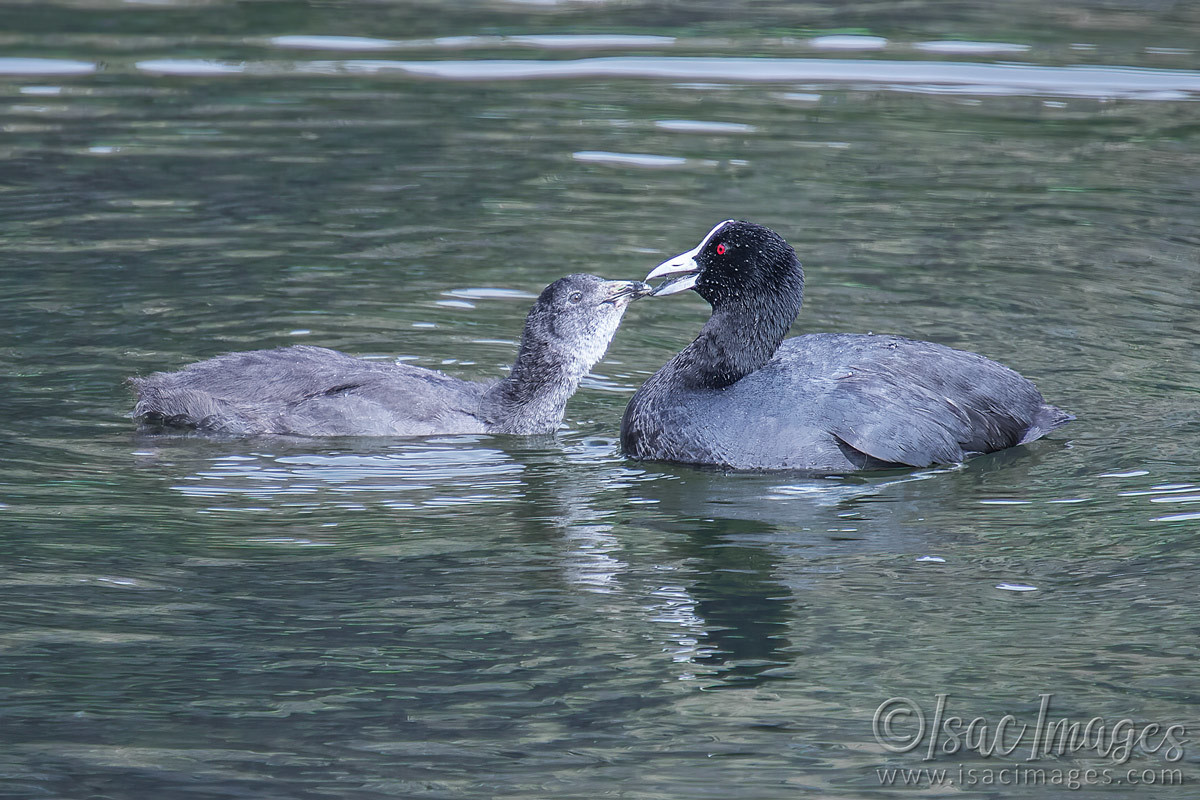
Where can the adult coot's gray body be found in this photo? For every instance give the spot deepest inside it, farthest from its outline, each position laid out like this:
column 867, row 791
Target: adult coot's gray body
column 312, row 391
column 741, row 397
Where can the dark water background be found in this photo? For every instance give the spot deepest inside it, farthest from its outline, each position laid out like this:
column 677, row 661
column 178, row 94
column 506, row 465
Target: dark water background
column 475, row 617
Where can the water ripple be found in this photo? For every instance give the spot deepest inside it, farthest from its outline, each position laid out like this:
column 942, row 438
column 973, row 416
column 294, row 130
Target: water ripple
column 970, row 48
column 848, row 42
column 570, row 41
column 190, row 66
column 629, row 159
column 1000, row 79
column 429, row 474
column 334, row 43
column 45, row 66
column 703, row 126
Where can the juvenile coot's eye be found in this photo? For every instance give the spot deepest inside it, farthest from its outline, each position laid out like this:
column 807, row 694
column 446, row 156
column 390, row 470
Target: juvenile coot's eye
column 575, row 297
column 721, row 249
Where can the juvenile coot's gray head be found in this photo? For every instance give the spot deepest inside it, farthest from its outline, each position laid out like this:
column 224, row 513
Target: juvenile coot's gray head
column 566, row 332
column 575, row 318
column 742, row 397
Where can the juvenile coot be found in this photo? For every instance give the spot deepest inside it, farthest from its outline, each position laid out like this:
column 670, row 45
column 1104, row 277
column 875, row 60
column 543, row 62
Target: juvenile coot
column 312, row 391
column 741, row 397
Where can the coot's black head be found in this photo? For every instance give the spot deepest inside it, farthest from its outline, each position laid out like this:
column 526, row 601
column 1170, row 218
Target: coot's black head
column 575, row 318
column 737, row 262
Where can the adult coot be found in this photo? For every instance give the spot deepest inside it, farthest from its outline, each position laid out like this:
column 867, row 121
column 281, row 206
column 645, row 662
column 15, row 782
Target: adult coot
column 741, row 397
column 312, row 391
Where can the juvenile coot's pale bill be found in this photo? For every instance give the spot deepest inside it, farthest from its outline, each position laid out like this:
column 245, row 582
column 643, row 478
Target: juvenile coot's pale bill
column 742, row 397
column 312, row 391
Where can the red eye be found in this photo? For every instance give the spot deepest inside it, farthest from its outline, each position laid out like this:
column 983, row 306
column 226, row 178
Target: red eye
column 720, row 249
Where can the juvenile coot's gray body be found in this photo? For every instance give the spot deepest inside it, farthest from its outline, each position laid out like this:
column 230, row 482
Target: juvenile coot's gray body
column 742, row 397
column 313, row 391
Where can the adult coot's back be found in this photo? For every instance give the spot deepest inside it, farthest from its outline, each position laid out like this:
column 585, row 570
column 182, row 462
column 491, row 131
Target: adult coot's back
column 312, row 391
column 741, row 397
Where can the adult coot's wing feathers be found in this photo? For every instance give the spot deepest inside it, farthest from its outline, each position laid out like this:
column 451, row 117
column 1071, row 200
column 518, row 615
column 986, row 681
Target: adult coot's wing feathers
column 920, row 403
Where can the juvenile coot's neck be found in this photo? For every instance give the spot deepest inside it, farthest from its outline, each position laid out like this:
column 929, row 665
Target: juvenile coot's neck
column 743, row 333
column 533, row 397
